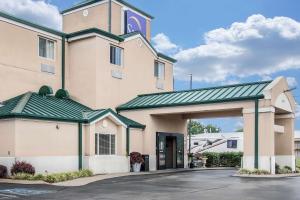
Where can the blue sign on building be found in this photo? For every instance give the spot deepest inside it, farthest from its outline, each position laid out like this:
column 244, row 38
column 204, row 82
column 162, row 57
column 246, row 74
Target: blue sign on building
column 135, row 22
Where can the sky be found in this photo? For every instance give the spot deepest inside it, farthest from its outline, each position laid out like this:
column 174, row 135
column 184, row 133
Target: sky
column 219, row 42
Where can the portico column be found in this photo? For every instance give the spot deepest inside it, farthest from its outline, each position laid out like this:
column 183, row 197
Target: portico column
column 265, row 142
column 284, row 142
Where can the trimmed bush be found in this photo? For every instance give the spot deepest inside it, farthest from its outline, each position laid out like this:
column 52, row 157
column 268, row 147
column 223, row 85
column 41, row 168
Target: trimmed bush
column 54, row 178
column 22, row 167
column 253, row 172
column 226, row 159
column 3, row 171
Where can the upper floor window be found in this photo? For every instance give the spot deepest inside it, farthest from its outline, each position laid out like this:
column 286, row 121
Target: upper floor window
column 159, row 70
column 231, row 144
column 46, row 48
column 116, row 55
column 105, row 144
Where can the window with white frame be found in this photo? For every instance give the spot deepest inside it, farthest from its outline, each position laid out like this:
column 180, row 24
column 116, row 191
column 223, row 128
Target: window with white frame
column 231, row 144
column 116, row 55
column 159, row 70
column 105, row 144
column 46, row 48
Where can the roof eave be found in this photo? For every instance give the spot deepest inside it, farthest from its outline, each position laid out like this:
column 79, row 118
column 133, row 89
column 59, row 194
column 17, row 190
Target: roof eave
column 96, row 31
column 190, row 104
column 33, row 25
column 96, row 1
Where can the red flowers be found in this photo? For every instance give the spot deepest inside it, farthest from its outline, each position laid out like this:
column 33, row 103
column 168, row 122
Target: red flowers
column 22, row 167
column 136, row 157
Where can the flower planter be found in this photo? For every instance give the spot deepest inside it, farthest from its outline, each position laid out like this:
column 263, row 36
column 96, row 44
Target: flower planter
column 136, row 167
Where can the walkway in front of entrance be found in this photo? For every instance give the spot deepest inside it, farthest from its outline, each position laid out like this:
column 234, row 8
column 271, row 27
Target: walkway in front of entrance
column 267, row 109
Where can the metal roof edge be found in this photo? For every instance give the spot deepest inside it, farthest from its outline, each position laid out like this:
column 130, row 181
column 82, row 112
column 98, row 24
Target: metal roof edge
column 28, row 23
column 190, row 104
column 206, row 88
column 22, row 103
column 97, row 31
column 84, row 4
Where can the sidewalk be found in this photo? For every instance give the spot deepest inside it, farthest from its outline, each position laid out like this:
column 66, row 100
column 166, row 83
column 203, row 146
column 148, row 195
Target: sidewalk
column 87, row 180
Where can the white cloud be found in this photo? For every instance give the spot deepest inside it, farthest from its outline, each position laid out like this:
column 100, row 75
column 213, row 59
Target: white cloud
column 298, row 112
column 259, row 46
column 163, row 44
column 292, row 82
column 37, row 11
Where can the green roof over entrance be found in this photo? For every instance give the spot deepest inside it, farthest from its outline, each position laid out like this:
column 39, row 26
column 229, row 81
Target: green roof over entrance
column 34, row 106
column 247, row 91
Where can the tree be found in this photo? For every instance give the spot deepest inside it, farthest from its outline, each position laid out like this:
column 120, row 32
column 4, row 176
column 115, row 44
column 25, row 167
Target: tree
column 196, row 127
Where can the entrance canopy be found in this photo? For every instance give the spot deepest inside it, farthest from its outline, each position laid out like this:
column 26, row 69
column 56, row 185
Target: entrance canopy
column 248, row 91
column 267, row 108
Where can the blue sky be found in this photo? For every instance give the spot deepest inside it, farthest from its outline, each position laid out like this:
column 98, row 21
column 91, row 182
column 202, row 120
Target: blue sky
column 207, row 41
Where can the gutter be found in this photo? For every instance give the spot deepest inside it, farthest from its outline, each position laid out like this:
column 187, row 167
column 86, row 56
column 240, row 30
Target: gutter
column 256, row 133
column 63, row 62
column 80, row 146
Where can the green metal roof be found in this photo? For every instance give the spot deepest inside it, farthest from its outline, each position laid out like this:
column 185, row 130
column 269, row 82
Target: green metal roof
column 90, row 2
column 34, row 106
column 238, row 92
column 97, row 31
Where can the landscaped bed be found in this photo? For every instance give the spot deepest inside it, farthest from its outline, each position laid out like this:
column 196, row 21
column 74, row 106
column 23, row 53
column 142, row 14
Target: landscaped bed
column 25, row 171
column 279, row 172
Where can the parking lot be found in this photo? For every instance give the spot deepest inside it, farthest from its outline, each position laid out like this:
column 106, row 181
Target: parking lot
column 209, row 185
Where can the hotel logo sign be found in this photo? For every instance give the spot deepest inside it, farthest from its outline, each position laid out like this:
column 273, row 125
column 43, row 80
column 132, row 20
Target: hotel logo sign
column 134, row 22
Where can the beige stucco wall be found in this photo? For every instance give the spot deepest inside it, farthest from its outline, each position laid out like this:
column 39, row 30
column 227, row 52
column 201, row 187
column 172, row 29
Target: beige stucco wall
column 7, row 138
column 104, row 126
column 20, row 64
column 116, row 17
column 284, row 142
column 82, row 71
column 154, row 124
column 136, row 140
column 42, row 138
column 97, row 18
column 91, row 80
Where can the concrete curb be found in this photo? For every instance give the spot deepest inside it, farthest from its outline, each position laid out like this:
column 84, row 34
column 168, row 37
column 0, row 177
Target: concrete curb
column 266, row 176
column 88, row 180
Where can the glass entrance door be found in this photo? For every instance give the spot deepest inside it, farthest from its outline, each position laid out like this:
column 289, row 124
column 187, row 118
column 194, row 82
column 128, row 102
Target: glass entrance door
column 162, row 152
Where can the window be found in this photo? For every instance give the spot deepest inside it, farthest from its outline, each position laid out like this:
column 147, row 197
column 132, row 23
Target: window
column 46, row 48
column 232, row 144
column 105, row 144
column 196, row 143
column 159, row 70
column 116, row 55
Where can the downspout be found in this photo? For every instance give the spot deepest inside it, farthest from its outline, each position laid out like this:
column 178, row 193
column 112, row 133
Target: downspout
column 109, row 16
column 63, row 62
column 79, row 146
column 127, row 140
column 256, row 134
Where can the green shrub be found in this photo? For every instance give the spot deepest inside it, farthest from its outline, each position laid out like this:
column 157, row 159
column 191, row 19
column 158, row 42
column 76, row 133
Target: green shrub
column 225, row 159
column 54, row 178
column 49, row 179
column 260, row 172
column 277, row 168
column 298, row 162
column 85, row 173
column 245, row 171
column 22, row 176
column 254, row 172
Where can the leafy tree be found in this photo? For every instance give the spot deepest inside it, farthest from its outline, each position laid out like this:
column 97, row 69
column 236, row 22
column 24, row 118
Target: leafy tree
column 196, row 127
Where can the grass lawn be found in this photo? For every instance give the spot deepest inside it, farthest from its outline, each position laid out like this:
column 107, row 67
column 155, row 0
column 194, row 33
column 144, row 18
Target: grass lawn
column 298, row 162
